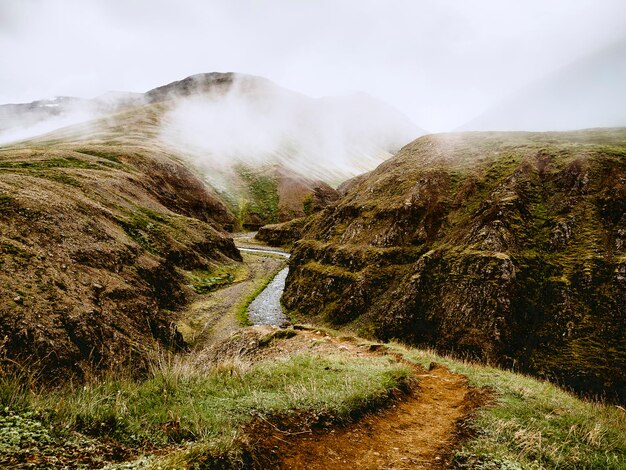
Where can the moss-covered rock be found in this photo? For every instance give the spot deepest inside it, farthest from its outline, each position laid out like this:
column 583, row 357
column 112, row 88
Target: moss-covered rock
column 505, row 247
column 285, row 234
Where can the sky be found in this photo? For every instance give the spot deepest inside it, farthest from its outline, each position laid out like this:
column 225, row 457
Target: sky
column 441, row 62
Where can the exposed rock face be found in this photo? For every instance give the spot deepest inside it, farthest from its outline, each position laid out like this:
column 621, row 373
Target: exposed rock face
column 285, row 234
column 94, row 243
column 507, row 247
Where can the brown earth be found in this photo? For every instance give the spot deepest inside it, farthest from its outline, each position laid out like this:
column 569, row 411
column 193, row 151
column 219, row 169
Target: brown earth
column 416, row 432
column 96, row 244
column 419, row 429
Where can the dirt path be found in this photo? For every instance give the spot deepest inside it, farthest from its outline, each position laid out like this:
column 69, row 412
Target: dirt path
column 414, row 433
column 417, row 431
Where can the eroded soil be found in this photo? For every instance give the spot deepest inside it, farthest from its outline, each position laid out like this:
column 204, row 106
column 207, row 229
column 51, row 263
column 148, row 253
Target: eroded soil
column 418, row 430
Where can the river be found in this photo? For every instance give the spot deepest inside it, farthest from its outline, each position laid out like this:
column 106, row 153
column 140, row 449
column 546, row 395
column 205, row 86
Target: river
column 266, row 309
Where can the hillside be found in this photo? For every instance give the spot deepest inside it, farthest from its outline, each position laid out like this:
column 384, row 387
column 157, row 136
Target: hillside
column 310, row 398
column 106, row 223
column 95, row 244
column 504, row 247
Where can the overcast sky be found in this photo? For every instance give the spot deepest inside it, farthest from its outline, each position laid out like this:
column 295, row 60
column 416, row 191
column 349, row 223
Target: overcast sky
column 441, row 62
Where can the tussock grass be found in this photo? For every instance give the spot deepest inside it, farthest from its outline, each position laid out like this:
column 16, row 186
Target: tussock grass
column 202, row 410
column 532, row 423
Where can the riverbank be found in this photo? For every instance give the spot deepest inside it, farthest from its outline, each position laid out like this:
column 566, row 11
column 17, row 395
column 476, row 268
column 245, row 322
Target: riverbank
column 215, row 315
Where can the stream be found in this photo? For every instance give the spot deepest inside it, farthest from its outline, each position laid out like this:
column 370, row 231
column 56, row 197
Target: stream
column 266, row 309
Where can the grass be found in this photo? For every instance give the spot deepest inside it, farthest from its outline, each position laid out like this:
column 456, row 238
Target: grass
column 203, row 282
column 202, row 409
column 534, row 424
column 96, row 152
column 6, row 201
column 263, row 192
column 67, row 162
column 144, row 228
column 200, row 412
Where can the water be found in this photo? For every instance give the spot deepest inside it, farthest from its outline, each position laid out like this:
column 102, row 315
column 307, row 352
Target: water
column 266, row 309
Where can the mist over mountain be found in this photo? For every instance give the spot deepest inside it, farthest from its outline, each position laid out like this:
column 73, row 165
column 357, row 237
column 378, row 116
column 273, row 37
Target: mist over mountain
column 261, row 148
column 25, row 120
column 588, row 93
column 226, row 119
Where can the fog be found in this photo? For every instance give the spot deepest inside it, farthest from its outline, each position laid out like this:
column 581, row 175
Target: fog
column 22, row 127
column 441, row 62
column 22, row 121
column 258, row 123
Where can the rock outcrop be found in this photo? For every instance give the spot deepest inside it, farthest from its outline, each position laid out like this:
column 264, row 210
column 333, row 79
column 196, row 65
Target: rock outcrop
column 503, row 247
column 285, row 234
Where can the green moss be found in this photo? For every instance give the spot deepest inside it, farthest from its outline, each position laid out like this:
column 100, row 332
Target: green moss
column 67, row 162
column 11, row 248
column 204, row 282
column 263, row 191
column 307, row 204
column 106, row 154
column 144, row 227
column 61, row 178
column 6, row 201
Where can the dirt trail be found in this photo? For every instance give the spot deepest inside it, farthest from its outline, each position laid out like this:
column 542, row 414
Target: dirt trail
column 414, row 433
column 417, row 431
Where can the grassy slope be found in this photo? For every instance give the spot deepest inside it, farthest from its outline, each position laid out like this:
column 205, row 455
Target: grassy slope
column 256, row 195
column 199, row 412
column 532, row 423
column 202, row 409
column 94, row 243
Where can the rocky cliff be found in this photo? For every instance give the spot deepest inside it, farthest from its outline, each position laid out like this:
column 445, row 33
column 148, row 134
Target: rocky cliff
column 508, row 248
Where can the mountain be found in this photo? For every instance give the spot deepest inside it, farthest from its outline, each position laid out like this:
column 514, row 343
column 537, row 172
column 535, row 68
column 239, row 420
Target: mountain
column 508, row 248
column 225, row 120
column 105, row 224
column 96, row 246
column 241, row 134
column 587, row 93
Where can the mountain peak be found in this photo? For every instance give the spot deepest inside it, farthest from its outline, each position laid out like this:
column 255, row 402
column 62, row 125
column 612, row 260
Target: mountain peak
column 203, row 83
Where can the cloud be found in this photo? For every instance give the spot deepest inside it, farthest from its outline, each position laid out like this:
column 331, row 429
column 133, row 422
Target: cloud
column 439, row 61
column 256, row 123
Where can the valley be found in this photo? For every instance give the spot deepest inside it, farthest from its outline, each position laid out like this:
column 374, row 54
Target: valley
column 327, row 399
column 430, row 301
